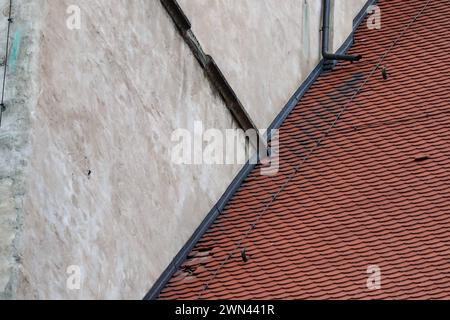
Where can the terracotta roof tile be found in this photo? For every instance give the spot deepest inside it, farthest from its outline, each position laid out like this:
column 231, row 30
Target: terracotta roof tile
column 375, row 192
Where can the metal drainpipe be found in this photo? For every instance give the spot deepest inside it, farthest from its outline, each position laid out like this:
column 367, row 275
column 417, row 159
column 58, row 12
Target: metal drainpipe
column 326, row 38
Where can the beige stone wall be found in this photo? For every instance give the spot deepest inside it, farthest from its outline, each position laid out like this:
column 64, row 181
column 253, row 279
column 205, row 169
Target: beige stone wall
column 266, row 48
column 111, row 95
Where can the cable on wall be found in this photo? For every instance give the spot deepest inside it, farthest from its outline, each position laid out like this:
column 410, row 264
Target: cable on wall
column 5, row 63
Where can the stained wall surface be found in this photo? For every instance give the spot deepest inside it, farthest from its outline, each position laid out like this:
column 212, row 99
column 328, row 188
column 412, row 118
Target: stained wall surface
column 102, row 192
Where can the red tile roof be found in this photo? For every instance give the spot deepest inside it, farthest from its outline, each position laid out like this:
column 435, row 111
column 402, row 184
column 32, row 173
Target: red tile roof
column 374, row 192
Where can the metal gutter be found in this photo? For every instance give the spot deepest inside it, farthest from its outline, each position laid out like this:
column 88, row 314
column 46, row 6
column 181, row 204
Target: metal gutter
column 153, row 294
column 208, row 64
column 326, row 10
column 348, row 43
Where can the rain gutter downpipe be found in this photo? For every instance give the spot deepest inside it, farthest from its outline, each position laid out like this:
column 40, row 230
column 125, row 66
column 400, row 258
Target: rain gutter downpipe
column 327, row 56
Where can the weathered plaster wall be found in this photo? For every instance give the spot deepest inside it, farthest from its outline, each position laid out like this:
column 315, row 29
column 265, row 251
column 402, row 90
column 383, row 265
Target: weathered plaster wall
column 111, row 95
column 266, row 48
column 20, row 99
